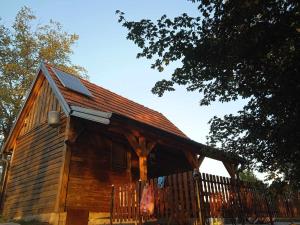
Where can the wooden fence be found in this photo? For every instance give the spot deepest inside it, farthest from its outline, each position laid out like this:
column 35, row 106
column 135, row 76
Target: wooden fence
column 184, row 199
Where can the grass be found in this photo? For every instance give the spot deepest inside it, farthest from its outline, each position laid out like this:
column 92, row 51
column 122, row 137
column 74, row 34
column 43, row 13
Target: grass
column 31, row 222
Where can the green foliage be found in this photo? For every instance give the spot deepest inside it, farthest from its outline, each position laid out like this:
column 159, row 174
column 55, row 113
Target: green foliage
column 22, row 47
column 248, row 175
column 236, row 49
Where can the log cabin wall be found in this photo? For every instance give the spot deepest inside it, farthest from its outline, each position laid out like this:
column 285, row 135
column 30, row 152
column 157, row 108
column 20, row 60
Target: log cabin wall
column 92, row 173
column 33, row 178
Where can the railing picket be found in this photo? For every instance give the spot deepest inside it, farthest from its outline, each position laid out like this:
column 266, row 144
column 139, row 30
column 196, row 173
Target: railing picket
column 175, row 191
column 219, row 196
column 171, row 197
column 193, row 194
column 118, row 204
column 129, row 202
column 186, row 193
column 205, row 196
column 181, row 194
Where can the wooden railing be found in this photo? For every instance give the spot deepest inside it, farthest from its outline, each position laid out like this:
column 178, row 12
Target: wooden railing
column 185, row 199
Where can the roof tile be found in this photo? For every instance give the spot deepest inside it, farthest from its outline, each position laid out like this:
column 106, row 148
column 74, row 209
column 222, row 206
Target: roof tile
column 107, row 101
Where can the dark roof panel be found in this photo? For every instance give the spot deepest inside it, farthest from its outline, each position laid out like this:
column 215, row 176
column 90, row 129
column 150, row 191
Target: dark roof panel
column 71, row 82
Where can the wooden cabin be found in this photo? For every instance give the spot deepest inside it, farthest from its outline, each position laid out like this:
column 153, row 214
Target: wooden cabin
column 73, row 139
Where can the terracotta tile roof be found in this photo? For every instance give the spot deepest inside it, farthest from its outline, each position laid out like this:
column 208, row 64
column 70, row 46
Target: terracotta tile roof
column 107, row 101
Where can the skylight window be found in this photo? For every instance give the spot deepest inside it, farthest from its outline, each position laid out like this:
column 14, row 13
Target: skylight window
column 71, row 82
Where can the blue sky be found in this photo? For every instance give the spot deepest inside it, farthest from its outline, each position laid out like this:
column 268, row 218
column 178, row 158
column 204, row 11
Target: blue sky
column 111, row 59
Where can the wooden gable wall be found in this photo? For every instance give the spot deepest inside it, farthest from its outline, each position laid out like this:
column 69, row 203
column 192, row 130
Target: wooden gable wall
column 34, row 174
column 91, row 173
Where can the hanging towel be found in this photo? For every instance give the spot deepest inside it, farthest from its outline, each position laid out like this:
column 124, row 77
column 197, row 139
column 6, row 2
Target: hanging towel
column 161, row 182
column 147, row 201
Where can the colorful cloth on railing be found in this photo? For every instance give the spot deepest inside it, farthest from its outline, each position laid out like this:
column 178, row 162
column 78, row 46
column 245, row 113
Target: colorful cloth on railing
column 147, row 201
column 161, row 182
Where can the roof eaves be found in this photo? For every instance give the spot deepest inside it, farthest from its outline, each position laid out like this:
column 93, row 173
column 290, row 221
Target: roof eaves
column 205, row 150
column 91, row 114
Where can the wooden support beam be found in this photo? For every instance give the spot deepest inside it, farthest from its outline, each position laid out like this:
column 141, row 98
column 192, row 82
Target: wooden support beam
column 231, row 168
column 194, row 160
column 75, row 129
column 65, row 169
column 142, row 147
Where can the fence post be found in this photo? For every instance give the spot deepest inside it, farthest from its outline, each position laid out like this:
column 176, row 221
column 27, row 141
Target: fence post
column 269, row 210
column 238, row 187
column 196, row 176
column 139, row 201
column 112, row 203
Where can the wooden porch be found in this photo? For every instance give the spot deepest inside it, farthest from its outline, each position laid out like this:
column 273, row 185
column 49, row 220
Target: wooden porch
column 191, row 198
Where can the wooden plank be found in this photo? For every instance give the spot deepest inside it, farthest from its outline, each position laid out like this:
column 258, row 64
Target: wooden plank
column 126, row 203
column 31, row 149
column 129, row 201
column 154, row 188
column 186, row 194
column 171, row 211
column 201, row 213
column 55, row 156
column 204, row 196
column 48, row 100
column 43, row 102
column 32, row 208
column 221, row 186
column 31, row 191
column 60, row 204
column 26, row 180
column 181, row 197
column 230, row 195
column 53, row 149
column 226, row 191
column 32, row 203
column 193, row 194
column 34, row 113
column 220, row 195
column 39, row 138
column 165, row 201
column 30, row 197
column 41, row 128
column 38, row 183
column 137, row 201
column 176, row 199
column 22, row 164
column 121, row 205
column 117, row 205
column 39, row 108
column 22, row 116
column 209, row 197
column 40, row 209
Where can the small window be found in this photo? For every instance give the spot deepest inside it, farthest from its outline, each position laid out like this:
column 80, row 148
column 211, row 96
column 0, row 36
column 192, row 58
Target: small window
column 118, row 156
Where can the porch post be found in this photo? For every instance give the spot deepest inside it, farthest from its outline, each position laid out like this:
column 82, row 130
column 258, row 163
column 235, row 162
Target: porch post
column 231, row 169
column 143, row 167
column 193, row 159
column 142, row 147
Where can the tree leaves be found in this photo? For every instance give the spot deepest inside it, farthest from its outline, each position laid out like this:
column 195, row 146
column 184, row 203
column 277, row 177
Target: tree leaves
column 234, row 50
column 22, row 47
